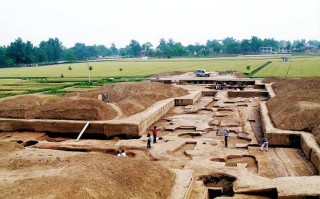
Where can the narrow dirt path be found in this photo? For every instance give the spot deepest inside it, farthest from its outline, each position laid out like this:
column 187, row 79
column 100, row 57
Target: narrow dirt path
column 119, row 111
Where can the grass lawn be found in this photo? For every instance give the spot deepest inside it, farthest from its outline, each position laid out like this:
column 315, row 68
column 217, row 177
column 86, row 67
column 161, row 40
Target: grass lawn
column 12, row 82
column 136, row 67
column 295, row 67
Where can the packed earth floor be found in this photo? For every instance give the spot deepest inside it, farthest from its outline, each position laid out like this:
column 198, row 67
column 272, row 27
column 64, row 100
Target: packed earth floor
column 189, row 160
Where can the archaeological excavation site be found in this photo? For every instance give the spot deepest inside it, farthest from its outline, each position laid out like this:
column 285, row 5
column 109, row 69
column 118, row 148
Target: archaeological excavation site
column 67, row 147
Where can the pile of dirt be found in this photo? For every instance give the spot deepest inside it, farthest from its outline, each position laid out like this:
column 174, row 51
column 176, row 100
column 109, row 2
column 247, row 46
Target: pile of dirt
column 125, row 99
column 7, row 147
column 19, row 107
column 168, row 74
column 297, row 105
column 76, row 108
column 57, row 174
column 272, row 79
column 240, row 75
column 132, row 98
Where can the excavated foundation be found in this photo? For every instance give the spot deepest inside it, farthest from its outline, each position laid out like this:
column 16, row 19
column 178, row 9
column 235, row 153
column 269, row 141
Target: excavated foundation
column 191, row 142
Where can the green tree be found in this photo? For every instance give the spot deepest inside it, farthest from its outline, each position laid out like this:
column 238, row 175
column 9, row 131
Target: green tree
column 30, row 53
column 271, row 43
column 114, row 50
column 70, row 56
column 197, row 50
column 299, row 45
column 90, row 68
column 256, row 43
column 80, row 51
column 288, row 45
column 179, row 50
column 314, row 43
column 245, row 46
column 2, row 56
column 51, row 50
column 134, row 48
column 147, row 48
column 214, row 45
column 231, row 46
column 16, row 52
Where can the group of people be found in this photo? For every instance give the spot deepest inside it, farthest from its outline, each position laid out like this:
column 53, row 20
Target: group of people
column 121, row 153
column 264, row 140
column 154, row 135
column 264, row 146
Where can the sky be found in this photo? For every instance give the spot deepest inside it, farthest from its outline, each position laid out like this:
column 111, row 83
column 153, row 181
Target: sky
column 186, row 21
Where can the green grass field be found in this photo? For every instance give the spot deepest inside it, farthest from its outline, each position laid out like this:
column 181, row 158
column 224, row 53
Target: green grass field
column 135, row 67
column 26, row 80
column 295, row 67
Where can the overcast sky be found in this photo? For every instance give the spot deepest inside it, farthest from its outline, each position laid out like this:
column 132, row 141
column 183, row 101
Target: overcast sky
column 187, row 21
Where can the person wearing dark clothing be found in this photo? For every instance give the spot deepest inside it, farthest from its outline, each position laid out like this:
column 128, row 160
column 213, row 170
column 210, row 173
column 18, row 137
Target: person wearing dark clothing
column 265, row 144
column 149, row 141
column 226, row 137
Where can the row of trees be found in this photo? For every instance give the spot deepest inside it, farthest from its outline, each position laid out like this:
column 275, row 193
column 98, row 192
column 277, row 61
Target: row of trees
column 20, row 53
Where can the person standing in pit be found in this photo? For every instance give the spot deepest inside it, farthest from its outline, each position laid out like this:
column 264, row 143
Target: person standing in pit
column 149, row 141
column 265, row 144
column 226, row 137
column 154, row 133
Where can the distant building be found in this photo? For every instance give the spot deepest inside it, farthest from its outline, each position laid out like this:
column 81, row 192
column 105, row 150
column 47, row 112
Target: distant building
column 283, row 50
column 143, row 55
column 265, row 50
column 310, row 49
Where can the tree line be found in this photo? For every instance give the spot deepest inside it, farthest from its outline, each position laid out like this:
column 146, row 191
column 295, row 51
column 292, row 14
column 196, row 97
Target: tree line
column 20, row 53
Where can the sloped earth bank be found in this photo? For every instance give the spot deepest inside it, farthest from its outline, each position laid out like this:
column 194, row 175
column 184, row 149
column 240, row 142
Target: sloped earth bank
column 135, row 97
column 130, row 98
column 41, row 173
column 296, row 105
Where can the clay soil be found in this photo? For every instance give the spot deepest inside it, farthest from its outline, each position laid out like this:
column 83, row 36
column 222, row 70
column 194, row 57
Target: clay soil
column 125, row 99
column 42, row 173
column 296, row 105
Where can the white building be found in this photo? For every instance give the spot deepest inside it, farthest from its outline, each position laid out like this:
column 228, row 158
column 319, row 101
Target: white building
column 266, row 50
column 283, row 50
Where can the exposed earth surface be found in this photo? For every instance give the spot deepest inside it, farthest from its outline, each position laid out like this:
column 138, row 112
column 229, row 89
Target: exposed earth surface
column 189, row 160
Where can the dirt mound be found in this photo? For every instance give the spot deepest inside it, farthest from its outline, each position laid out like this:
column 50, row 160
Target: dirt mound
column 239, row 75
column 7, row 147
column 75, row 109
column 168, row 74
column 297, row 105
column 132, row 98
column 19, row 107
column 273, row 79
column 54, row 175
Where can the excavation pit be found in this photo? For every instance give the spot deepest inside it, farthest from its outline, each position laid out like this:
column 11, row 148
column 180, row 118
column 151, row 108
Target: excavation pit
column 219, row 181
column 244, row 171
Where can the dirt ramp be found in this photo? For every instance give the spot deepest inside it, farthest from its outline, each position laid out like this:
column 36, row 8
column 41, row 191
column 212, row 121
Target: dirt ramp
column 297, row 105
